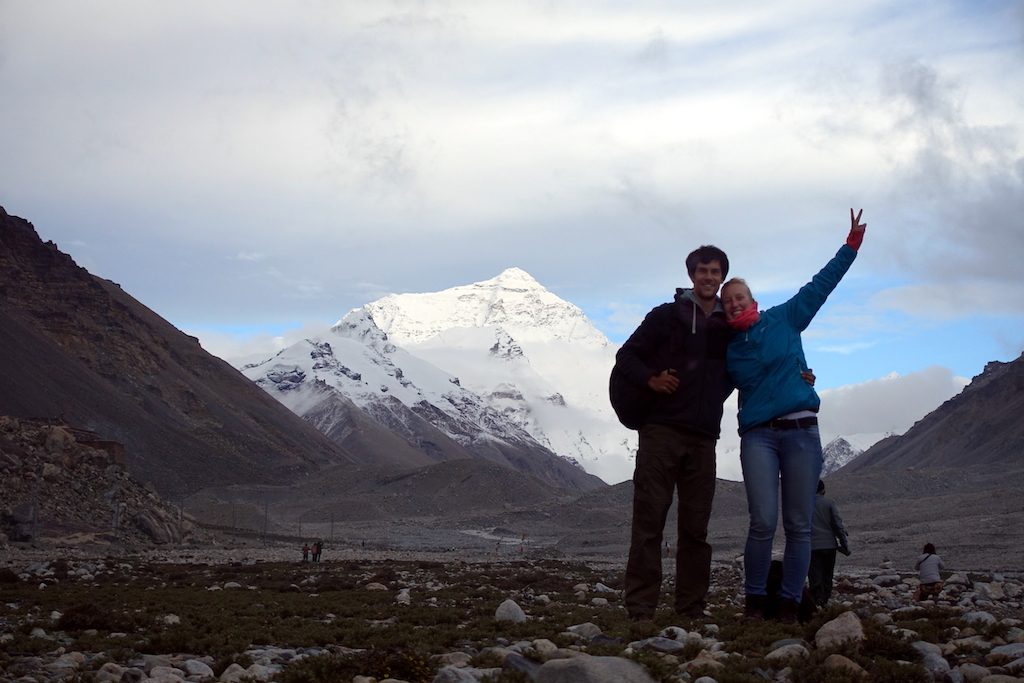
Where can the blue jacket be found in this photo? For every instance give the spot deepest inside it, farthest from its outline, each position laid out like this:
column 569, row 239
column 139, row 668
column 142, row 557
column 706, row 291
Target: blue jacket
column 765, row 361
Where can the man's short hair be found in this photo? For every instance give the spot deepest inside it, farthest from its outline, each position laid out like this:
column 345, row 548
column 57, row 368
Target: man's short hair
column 706, row 254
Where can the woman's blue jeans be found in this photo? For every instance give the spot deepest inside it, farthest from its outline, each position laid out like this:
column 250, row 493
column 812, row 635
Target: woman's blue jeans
column 794, row 457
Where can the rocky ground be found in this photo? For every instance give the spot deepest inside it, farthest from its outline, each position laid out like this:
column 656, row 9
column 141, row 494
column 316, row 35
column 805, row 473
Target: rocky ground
column 248, row 612
column 67, row 482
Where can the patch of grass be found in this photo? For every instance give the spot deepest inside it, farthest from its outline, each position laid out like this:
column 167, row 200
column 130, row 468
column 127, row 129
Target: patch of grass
column 657, row 666
column 753, row 638
column 89, row 615
column 934, row 624
column 407, row 665
column 452, row 609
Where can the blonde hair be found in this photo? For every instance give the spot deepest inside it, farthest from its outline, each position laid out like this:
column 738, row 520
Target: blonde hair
column 738, row 281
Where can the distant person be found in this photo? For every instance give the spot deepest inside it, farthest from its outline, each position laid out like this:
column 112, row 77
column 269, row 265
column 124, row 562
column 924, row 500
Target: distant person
column 827, row 536
column 676, row 360
column 305, row 552
column 928, row 566
column 778, row 424
column 318, row 547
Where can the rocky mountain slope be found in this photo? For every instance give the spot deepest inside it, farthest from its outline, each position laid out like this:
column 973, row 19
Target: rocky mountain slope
column 68, row 484
column 981, row 426
column 79, row 349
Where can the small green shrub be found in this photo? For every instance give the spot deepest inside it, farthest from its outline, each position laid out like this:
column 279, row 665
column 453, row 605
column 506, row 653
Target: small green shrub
column 406, row 665
column 88, row 615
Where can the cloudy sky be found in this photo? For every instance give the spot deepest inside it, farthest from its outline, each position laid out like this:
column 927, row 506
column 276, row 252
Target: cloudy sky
column 248, row 168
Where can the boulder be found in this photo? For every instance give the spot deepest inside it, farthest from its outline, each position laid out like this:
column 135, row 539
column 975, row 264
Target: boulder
column 588, row 669
column 844, row 628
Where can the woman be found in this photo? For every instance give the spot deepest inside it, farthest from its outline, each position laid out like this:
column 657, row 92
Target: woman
column 928, row 566
column 778, row 424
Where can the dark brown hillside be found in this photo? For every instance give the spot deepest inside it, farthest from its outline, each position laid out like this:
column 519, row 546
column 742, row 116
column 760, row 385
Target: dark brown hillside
column 981, row 426
column 75, row 347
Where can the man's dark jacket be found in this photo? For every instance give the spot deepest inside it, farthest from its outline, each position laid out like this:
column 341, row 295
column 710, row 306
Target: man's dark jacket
column 681, row 337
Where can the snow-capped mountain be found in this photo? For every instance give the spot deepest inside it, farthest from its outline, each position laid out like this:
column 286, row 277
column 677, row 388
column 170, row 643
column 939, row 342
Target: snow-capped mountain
column 837, row 453
column 531, row 355
column 353, row 370
column 502, row 363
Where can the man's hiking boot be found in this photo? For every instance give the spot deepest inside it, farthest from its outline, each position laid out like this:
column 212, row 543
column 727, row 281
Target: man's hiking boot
column 694, row 611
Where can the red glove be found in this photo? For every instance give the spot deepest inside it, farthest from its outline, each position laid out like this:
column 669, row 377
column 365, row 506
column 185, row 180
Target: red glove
column 854, row 239
column 856, row 236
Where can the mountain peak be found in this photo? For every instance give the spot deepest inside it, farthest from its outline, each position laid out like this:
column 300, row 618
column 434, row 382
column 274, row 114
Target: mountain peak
column 836, row 453
column 513, row 301
column 514, row 278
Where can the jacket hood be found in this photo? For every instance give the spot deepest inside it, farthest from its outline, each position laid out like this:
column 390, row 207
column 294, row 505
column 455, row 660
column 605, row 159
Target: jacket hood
column 686, row 294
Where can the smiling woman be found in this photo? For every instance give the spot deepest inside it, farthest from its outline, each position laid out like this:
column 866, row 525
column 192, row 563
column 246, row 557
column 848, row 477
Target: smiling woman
column 779, row 439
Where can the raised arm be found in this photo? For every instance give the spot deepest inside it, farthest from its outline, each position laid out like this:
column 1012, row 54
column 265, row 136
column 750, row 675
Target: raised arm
column 802, row 308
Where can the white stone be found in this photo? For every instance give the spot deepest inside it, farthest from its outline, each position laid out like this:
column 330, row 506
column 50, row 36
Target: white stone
column 787, row 652
column 843, row 628
column 588, row 669
column 456, row 659
column 586, row 630
column 195, row 667
column 509, row 610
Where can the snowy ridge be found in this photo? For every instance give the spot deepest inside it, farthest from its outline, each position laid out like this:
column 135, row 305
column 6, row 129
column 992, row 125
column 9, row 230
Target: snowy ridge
column 502, row 362
column 836, row 453
column 532, row 356
column 513, row 301
column 357, row 359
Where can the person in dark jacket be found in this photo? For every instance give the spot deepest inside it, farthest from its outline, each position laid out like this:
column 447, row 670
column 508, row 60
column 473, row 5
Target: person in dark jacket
column 828, row 535
column 678, row 352
column 778, row 424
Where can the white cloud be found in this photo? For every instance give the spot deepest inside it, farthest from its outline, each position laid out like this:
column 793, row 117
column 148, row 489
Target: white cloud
column 239, row 348
column 421, row 145
column 871, row 409
column 952, row 300
column 889, row 404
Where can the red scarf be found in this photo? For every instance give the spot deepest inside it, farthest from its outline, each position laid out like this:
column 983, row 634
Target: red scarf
column 745, row 320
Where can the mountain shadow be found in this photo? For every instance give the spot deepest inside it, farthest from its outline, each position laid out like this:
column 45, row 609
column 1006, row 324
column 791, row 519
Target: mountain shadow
column 78, row 350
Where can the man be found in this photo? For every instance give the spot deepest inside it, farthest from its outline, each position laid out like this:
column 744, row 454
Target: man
column 678, row 353
column 827, row 535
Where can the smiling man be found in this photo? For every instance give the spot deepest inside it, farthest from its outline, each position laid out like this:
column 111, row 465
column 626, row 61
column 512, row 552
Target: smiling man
column 678, row 353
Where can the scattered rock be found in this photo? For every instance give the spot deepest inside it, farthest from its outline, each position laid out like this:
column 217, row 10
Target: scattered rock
column 846, row 627
column 509, row 610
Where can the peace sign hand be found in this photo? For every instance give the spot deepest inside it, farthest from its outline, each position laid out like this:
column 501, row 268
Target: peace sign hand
column 856, row 236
